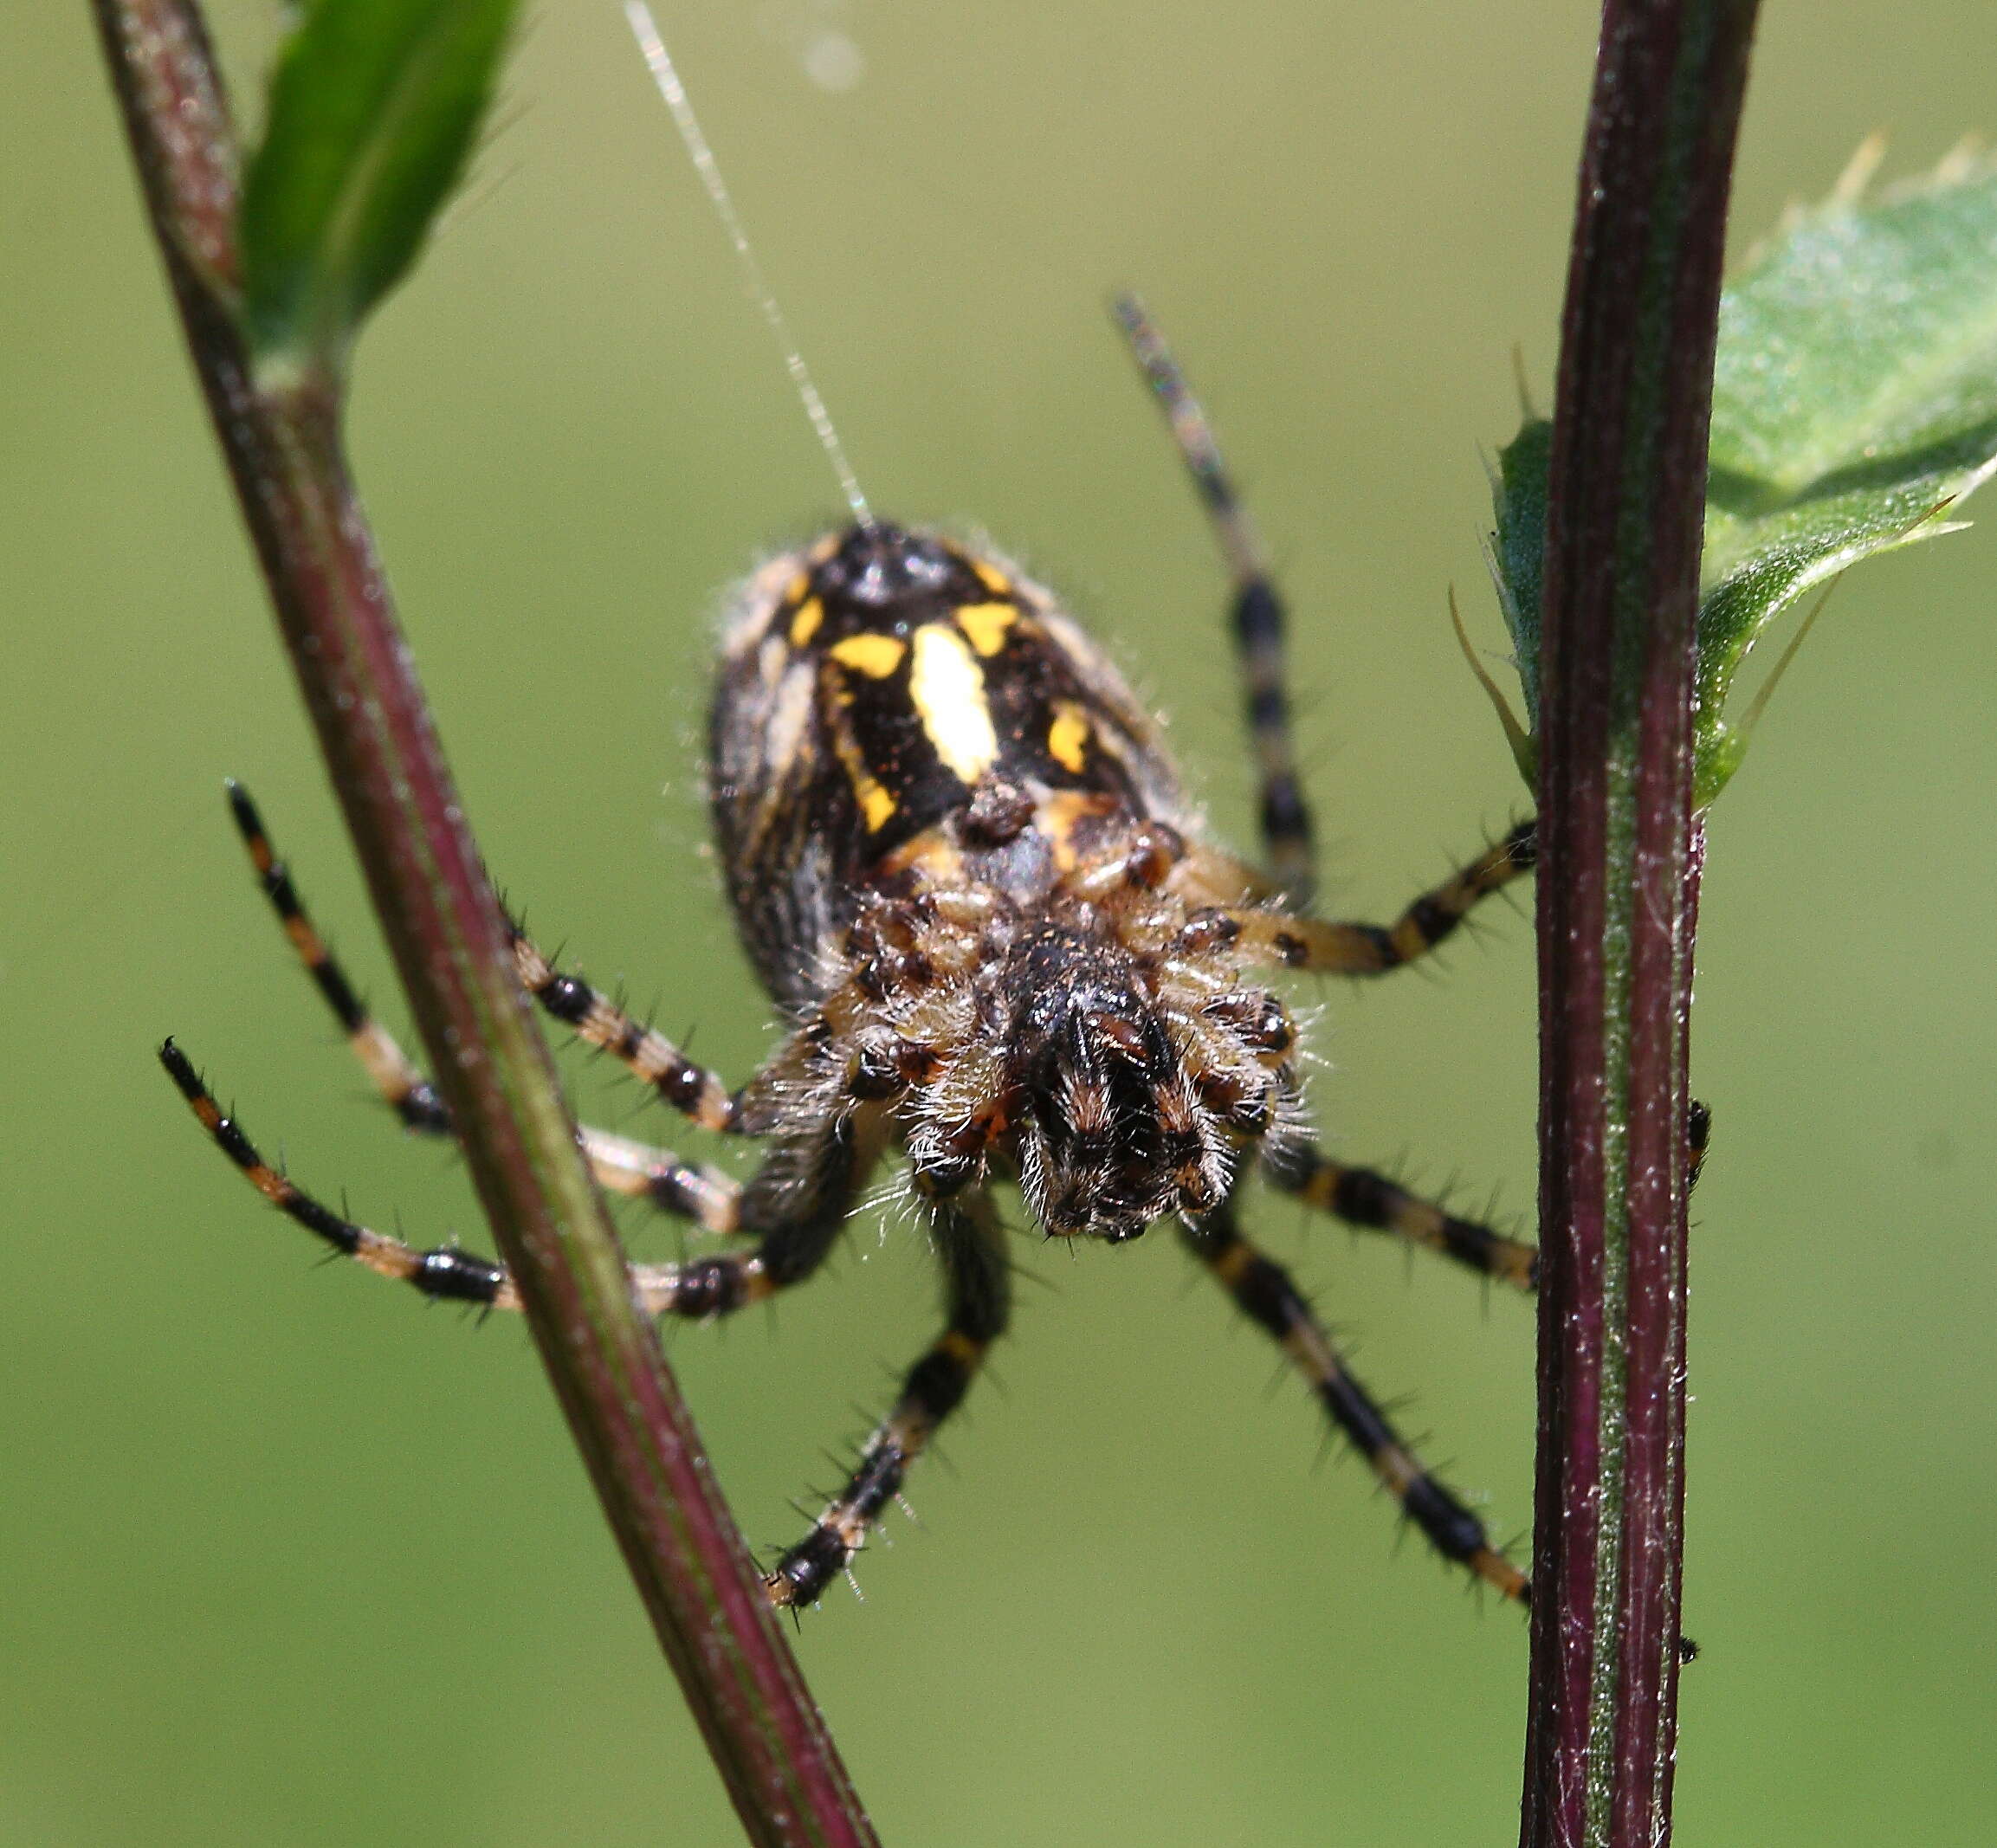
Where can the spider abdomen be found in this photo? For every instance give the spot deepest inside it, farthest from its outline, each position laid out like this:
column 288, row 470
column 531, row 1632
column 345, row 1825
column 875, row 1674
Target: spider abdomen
column 889, row 698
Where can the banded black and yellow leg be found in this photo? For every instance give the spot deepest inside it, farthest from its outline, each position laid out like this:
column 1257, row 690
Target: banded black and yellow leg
column 1365, row 1198
column 401, row 1086
column 705, row 1195
column 1328, row 947
column 799, row 1214
column 645, row 1052
column 1257, row 613
column 642, row 1171
column 969, row 1244
column 1266, row 1296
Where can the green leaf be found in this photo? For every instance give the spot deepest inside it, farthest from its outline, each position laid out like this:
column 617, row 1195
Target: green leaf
column 1515, row 555
column 1854, row 400
column 374, row 107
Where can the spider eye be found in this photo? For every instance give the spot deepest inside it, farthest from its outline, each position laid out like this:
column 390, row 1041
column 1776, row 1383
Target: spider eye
column 944, row 1172
column 1245, row 1100
column 1258, row 1020
column 1272, row 1030
column 1120, row 1034
column 876, row 1075
column 1252, row 1113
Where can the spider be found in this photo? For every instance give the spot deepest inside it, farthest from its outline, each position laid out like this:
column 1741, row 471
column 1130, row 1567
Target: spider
column 1002, row 943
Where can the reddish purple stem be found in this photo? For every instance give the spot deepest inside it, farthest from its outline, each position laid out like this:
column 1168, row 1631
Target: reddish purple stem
column 1618, row 896
column 443, row 925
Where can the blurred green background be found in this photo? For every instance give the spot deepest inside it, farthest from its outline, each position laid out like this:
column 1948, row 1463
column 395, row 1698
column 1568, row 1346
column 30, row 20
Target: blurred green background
column 289, row 1560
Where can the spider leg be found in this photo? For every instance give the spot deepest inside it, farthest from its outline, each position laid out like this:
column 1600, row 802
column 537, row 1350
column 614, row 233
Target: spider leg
column 1257, row 612
column 402, row 1087
column 970, row 1243
column 1365, row 1198
column 705, row 1195
column 1329, row 946
column 642, row 1171
column 646, row 1053
column 797, row 1204
column 1267, row 1296
column 1300, row 942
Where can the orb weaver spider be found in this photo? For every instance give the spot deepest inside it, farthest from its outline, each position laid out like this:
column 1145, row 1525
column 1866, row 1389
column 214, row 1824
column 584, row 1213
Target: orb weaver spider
column 1004, row 945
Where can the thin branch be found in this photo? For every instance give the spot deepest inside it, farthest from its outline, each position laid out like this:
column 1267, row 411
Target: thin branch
column 1617, row 894
column 443, row 925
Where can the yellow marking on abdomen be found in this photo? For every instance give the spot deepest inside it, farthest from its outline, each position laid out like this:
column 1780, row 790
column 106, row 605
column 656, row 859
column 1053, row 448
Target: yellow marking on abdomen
column 992, row 577
column 947, row 687
column 804, row 623
column 877, row 803
column 1068, row 737
column 930, row 853
column 987, row 624
column 1057, row 816
column 876, row 656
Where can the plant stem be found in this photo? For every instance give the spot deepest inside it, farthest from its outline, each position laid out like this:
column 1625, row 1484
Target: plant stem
column 444, row 927
column 1619, row 875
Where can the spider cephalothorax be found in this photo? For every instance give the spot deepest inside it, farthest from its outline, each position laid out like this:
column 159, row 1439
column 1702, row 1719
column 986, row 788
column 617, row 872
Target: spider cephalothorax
column 1003, row 945
column 1113, row 1131
column 1098, row 1039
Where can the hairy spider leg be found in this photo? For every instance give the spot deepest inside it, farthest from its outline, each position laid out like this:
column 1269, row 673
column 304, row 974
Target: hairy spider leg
column 1326, row 946
column 650, row 1056
column 1363, row 1197
column 705, row 1195
column 1265, row 1293
column 798, row 1215
column 402, row 1087
column 1257, row 615
column 697, row 1093
column 813, row 1209
column 969, row 1244
column 1258, row 622
column 1366, row 1198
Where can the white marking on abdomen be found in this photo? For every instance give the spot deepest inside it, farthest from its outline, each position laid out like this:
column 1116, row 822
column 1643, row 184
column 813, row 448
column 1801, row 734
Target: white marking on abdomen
column 947, row 687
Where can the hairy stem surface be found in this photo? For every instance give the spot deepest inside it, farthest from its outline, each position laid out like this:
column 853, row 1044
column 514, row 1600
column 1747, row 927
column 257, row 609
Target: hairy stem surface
column 1618, row 895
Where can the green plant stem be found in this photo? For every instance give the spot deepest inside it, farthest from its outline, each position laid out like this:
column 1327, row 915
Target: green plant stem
column 1618, row 894
column 444, row 927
